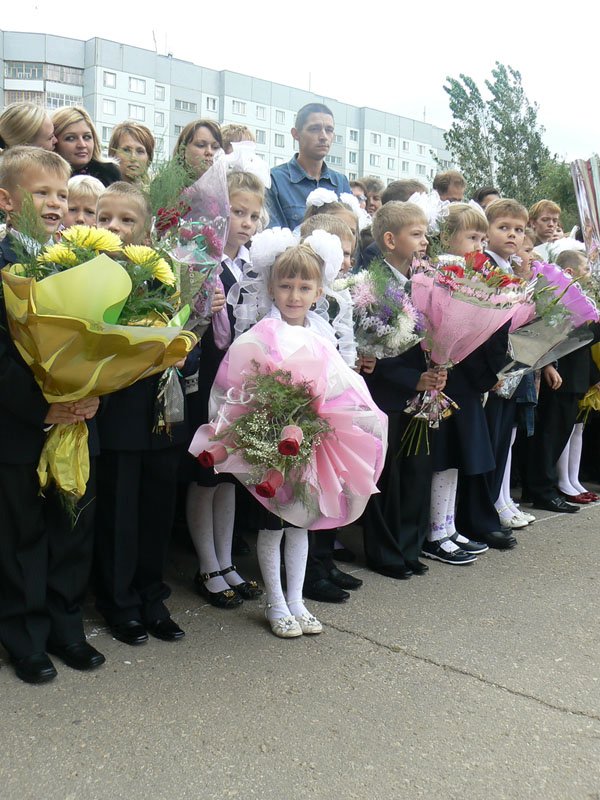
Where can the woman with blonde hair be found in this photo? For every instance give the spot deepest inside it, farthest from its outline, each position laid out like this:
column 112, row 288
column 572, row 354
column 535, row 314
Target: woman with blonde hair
column 26, row 123
column 77, row 142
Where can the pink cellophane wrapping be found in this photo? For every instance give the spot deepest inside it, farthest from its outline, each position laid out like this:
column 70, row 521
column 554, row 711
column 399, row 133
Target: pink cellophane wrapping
column 455, row 326
column 347, row 464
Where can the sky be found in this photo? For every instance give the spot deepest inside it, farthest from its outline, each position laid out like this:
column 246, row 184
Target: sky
column 375, row 54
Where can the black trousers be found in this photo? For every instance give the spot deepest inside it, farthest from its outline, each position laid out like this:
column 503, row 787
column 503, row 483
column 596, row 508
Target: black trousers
column 396, row 520
column 321, row 546
column 44, row 562
column 135, row 511
column 556, row 415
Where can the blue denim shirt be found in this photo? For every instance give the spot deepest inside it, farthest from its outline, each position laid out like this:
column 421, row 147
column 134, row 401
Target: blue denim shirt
column 291, row 185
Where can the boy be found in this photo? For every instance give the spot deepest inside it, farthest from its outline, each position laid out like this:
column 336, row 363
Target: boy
column 396, row 520
column 44, row 561
column 137, row 476
column 84, row 191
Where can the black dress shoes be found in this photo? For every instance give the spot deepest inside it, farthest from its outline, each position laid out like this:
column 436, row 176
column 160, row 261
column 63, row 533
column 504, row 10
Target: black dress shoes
column 555, row 504
column 79, row 655
column 418, row 567
column 130, row 632
column 343, row 580
column 325, row 591
column 165, row 629
column 497, row 540
column 35, row 669
column 400, row 573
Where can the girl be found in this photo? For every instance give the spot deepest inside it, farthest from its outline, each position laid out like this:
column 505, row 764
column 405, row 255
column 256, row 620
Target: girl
column 132, row 145
column 78, row 143
column 210, row 506
column 26, row 123
column 463, row 442
column 198, row 144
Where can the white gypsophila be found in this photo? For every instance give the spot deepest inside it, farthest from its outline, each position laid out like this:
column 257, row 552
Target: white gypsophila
column 320, row 197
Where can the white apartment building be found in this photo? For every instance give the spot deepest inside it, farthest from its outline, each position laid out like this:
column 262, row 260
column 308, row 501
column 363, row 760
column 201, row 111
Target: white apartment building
column 116, row 82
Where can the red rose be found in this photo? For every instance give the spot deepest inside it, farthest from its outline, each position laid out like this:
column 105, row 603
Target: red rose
column 456, row 270
column 215, row 454
column 272, row 481
column 206, row 459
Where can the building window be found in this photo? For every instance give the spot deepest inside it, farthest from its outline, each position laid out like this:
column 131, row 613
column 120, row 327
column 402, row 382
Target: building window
column 280, row 117
column 421, row 169
column 279, row 140
column 137, row 112
column 160, row 144
column 60, row 74
column 261, row 136
column 391, row 163
column 352, row 176
column 352, row 157
column 185, row 105
column 278, row 160
column 392, row 142
column 261, row 155
column 337, row 138
column 109, row 79
column 261, row 112
column 19, row 96
column 238, row 107
column 159, row 119
column 106, row 132
column 211, row 103
column 32, row 70
column 335, row 160
column 405, row 166
column 421, row 149
column 137, row 85
column 60, row 100
column 178, row 129
column 375, row 138
column 374, row 160
column 109, row 107
column 405, row 146
column 159, row 92
column 353, row 135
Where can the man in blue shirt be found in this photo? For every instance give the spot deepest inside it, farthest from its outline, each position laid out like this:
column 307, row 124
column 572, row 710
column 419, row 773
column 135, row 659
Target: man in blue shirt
column 291, row 183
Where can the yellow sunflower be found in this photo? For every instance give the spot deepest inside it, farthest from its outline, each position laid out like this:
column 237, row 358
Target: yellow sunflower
column 147, row 257
column 92, row 238
column 58, row 254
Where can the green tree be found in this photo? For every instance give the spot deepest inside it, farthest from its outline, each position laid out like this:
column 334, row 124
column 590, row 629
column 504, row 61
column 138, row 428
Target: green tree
column 497, row 140
column 557, row 184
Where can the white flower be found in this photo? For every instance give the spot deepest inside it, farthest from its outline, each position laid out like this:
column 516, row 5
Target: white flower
column 319, row 197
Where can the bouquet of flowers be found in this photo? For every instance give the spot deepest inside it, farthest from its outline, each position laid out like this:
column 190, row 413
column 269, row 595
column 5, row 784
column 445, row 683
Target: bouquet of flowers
column 464, row 302
column 295, row 425
column 88, row 324
column 562, row 308
column 191, row 227
column 386, row 322
column 586, row 178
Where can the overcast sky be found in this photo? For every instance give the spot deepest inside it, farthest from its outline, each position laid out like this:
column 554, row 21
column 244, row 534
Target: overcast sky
column 363, row 53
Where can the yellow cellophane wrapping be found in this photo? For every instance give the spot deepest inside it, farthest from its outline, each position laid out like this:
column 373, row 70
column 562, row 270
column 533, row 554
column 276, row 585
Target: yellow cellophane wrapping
column 64, row 328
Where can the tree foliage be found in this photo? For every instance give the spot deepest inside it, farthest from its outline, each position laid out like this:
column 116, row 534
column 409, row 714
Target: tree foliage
column 497, row 140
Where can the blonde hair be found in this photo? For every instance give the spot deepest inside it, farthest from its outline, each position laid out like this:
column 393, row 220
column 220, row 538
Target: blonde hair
column 299, row 261
column 543, row 207
column 245, row 182
column 63, row 117
column 140, row 133
column 392, row 217
column 21, row 157
column 462, row 217
column 328, row 223
column 234, row 132
column 570, row 259
column 85, row 187
column 134, row 193
column 20, row 124
column 506, row 207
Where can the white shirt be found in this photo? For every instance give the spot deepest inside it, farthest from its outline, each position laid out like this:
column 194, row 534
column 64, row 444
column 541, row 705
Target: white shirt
column 237, row 264
column 402, row 279
column 501, row 262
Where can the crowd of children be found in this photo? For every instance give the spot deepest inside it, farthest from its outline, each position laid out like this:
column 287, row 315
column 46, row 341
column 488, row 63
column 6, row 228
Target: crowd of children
column 450, row 502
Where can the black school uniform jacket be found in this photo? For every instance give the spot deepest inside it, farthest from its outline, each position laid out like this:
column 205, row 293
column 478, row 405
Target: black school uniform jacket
column 107, row 172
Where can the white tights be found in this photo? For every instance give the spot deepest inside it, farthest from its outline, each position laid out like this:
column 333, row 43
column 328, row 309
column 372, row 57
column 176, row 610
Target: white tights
column 505, row 505
column 295, row 553
column 568, row 463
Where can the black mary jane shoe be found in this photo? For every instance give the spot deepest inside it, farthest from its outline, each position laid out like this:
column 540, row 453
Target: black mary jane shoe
column 228, row 598
column 249, row 590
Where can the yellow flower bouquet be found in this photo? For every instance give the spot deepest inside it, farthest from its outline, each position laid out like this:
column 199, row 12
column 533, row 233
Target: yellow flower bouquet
column 88, row 324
